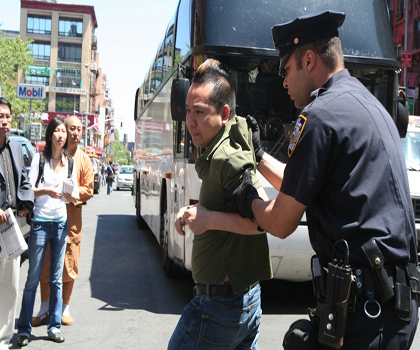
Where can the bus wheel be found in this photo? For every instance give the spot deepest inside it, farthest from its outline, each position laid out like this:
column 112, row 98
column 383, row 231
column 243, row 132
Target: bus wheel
column 141, row 224
column 169, row 267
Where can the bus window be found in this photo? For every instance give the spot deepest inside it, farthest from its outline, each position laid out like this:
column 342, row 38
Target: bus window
column 183, row 31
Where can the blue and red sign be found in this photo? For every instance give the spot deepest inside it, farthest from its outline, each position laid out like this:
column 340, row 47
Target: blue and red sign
column 31, row 91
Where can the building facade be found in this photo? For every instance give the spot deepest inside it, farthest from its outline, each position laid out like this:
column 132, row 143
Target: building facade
column 405, row 22
column 65, row 59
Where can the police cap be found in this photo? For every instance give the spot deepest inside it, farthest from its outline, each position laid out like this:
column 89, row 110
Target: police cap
column 302, row 30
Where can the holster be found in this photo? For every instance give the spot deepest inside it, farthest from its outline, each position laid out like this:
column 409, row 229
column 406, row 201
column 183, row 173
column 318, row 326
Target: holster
column 403, row 306
column 376, row 265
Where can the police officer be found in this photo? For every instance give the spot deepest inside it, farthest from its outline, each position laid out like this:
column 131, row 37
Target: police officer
column 346, row 170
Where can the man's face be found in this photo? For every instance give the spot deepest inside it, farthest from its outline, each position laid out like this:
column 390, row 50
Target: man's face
column 203, row 120
column 5, row 120
column 296, row 82
column 74, row 129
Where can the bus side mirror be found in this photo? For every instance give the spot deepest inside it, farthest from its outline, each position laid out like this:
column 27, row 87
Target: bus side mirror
column 136, row 104
column 402, row 116
column 179, row 94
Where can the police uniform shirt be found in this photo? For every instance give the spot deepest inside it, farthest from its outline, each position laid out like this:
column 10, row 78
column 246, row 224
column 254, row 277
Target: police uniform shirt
column 346, row 165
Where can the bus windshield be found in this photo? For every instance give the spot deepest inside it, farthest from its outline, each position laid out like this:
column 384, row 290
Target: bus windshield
column 260, row 93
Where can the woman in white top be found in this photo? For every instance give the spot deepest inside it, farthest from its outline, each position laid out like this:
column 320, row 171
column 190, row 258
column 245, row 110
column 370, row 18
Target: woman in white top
column 49, row 225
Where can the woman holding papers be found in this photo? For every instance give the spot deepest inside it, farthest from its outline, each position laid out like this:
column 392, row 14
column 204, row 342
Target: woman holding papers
column 49, row 225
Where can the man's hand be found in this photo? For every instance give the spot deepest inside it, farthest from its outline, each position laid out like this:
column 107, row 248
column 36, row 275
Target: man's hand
column 3, row 217
column 256, row 142
column 195, row 216
column 23, row 211
column 244, row 195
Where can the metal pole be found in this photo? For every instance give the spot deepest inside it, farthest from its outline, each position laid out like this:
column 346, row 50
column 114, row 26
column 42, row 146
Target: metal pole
column 30, row 119
column 86, row 119
column 406, row 41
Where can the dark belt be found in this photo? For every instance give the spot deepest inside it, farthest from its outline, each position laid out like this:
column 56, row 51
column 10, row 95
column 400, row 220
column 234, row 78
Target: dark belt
column 223, row 290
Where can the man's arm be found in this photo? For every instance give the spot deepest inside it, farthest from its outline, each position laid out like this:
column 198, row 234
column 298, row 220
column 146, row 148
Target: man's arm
column 200, row 220
column 86, row 180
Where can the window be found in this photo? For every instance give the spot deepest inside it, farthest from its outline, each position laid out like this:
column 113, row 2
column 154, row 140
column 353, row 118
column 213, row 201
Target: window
column 41, row 51
column 399, row 53
column 70, row 27
column 69, row 53
column 33, row 79
column 400, row 9
column 69, row 78
column 183, row 33
column 67, row 103
column 38, row 25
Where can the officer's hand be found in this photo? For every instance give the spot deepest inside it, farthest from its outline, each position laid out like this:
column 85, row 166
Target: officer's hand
column 256, row 142
column 197, row 218
column 244, row 195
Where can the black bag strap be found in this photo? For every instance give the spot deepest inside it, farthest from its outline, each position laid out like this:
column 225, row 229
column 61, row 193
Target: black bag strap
column 40, row 168
column 70, row 166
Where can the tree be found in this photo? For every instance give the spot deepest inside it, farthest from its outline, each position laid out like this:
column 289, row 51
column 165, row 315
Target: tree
column 14, row 54
column 121, row 155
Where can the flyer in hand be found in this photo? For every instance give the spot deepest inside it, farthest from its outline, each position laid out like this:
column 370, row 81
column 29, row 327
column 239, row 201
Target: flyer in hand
column 11, row 239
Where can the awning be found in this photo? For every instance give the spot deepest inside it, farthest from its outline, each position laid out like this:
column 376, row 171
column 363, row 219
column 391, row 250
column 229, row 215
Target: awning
column 39, row 71
column 72, row 70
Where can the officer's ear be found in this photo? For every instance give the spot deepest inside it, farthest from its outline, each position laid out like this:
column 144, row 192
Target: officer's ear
column 309, row 60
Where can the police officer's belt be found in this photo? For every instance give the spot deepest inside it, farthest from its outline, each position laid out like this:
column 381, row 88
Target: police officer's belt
column 365, row 280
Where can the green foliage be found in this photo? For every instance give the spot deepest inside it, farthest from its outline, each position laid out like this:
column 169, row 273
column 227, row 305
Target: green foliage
column 14, row 54
column 121, row 155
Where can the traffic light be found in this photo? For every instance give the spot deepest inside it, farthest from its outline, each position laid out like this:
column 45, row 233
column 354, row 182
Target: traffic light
column 100, row 136
column 121, row 124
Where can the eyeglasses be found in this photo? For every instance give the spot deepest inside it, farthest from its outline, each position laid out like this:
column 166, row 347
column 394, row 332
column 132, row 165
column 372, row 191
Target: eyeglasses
column 8, row 117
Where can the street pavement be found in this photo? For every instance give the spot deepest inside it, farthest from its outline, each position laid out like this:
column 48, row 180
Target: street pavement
column 122, row 300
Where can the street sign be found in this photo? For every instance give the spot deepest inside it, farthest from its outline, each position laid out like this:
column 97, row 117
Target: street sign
column 412, row 79
column 36, row 130
column 406, row 59
column 31, row 91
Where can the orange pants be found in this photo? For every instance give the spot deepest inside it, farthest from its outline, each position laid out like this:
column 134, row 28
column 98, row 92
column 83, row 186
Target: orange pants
column 71, row 259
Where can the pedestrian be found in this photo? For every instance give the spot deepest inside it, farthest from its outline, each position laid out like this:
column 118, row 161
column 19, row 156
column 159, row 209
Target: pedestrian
column 226, row 267
column 74, row 220
column 346, row 169
column 49, row 225
column 103, row 179
column 110, row 177
column 16, row 193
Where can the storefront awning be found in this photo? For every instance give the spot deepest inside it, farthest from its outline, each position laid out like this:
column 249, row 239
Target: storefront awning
column 39, row 71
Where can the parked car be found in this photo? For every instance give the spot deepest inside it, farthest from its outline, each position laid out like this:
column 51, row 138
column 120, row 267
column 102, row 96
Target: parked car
column 125, row 177
column 411, row 147
column 28, row 154
column 96, row 175
column 116, row 167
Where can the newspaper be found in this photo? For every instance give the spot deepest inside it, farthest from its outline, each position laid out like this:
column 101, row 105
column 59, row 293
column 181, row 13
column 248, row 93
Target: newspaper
column 11, row 239
column 68, row 187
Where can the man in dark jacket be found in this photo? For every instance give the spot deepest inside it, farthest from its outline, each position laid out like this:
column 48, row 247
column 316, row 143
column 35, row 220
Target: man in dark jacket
column 15, row 193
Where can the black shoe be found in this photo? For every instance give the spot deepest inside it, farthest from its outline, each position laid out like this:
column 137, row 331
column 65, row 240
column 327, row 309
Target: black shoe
column 23, row 340
column 56, row 337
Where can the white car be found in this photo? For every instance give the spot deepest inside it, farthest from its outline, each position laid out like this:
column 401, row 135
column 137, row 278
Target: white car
column 125, row 177
column 411, row 147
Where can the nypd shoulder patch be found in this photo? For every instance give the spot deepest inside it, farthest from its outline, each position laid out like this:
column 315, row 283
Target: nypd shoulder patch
column 297, row 131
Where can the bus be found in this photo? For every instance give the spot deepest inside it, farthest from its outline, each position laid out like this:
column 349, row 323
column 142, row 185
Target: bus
column 238, row 33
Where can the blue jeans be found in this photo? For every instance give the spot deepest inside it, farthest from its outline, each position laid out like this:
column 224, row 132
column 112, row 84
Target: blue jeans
column 218, row 322
column 41, row 233
column 109, row 187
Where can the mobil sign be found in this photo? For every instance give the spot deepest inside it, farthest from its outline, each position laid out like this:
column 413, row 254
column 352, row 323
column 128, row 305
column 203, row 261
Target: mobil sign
column 31, row 91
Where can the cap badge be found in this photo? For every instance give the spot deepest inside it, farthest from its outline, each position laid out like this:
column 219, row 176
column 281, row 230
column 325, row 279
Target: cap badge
column 296, row 41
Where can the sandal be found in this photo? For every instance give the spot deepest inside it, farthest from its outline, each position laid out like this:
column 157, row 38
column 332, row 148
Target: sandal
column 22, row 340
column 56, row 337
